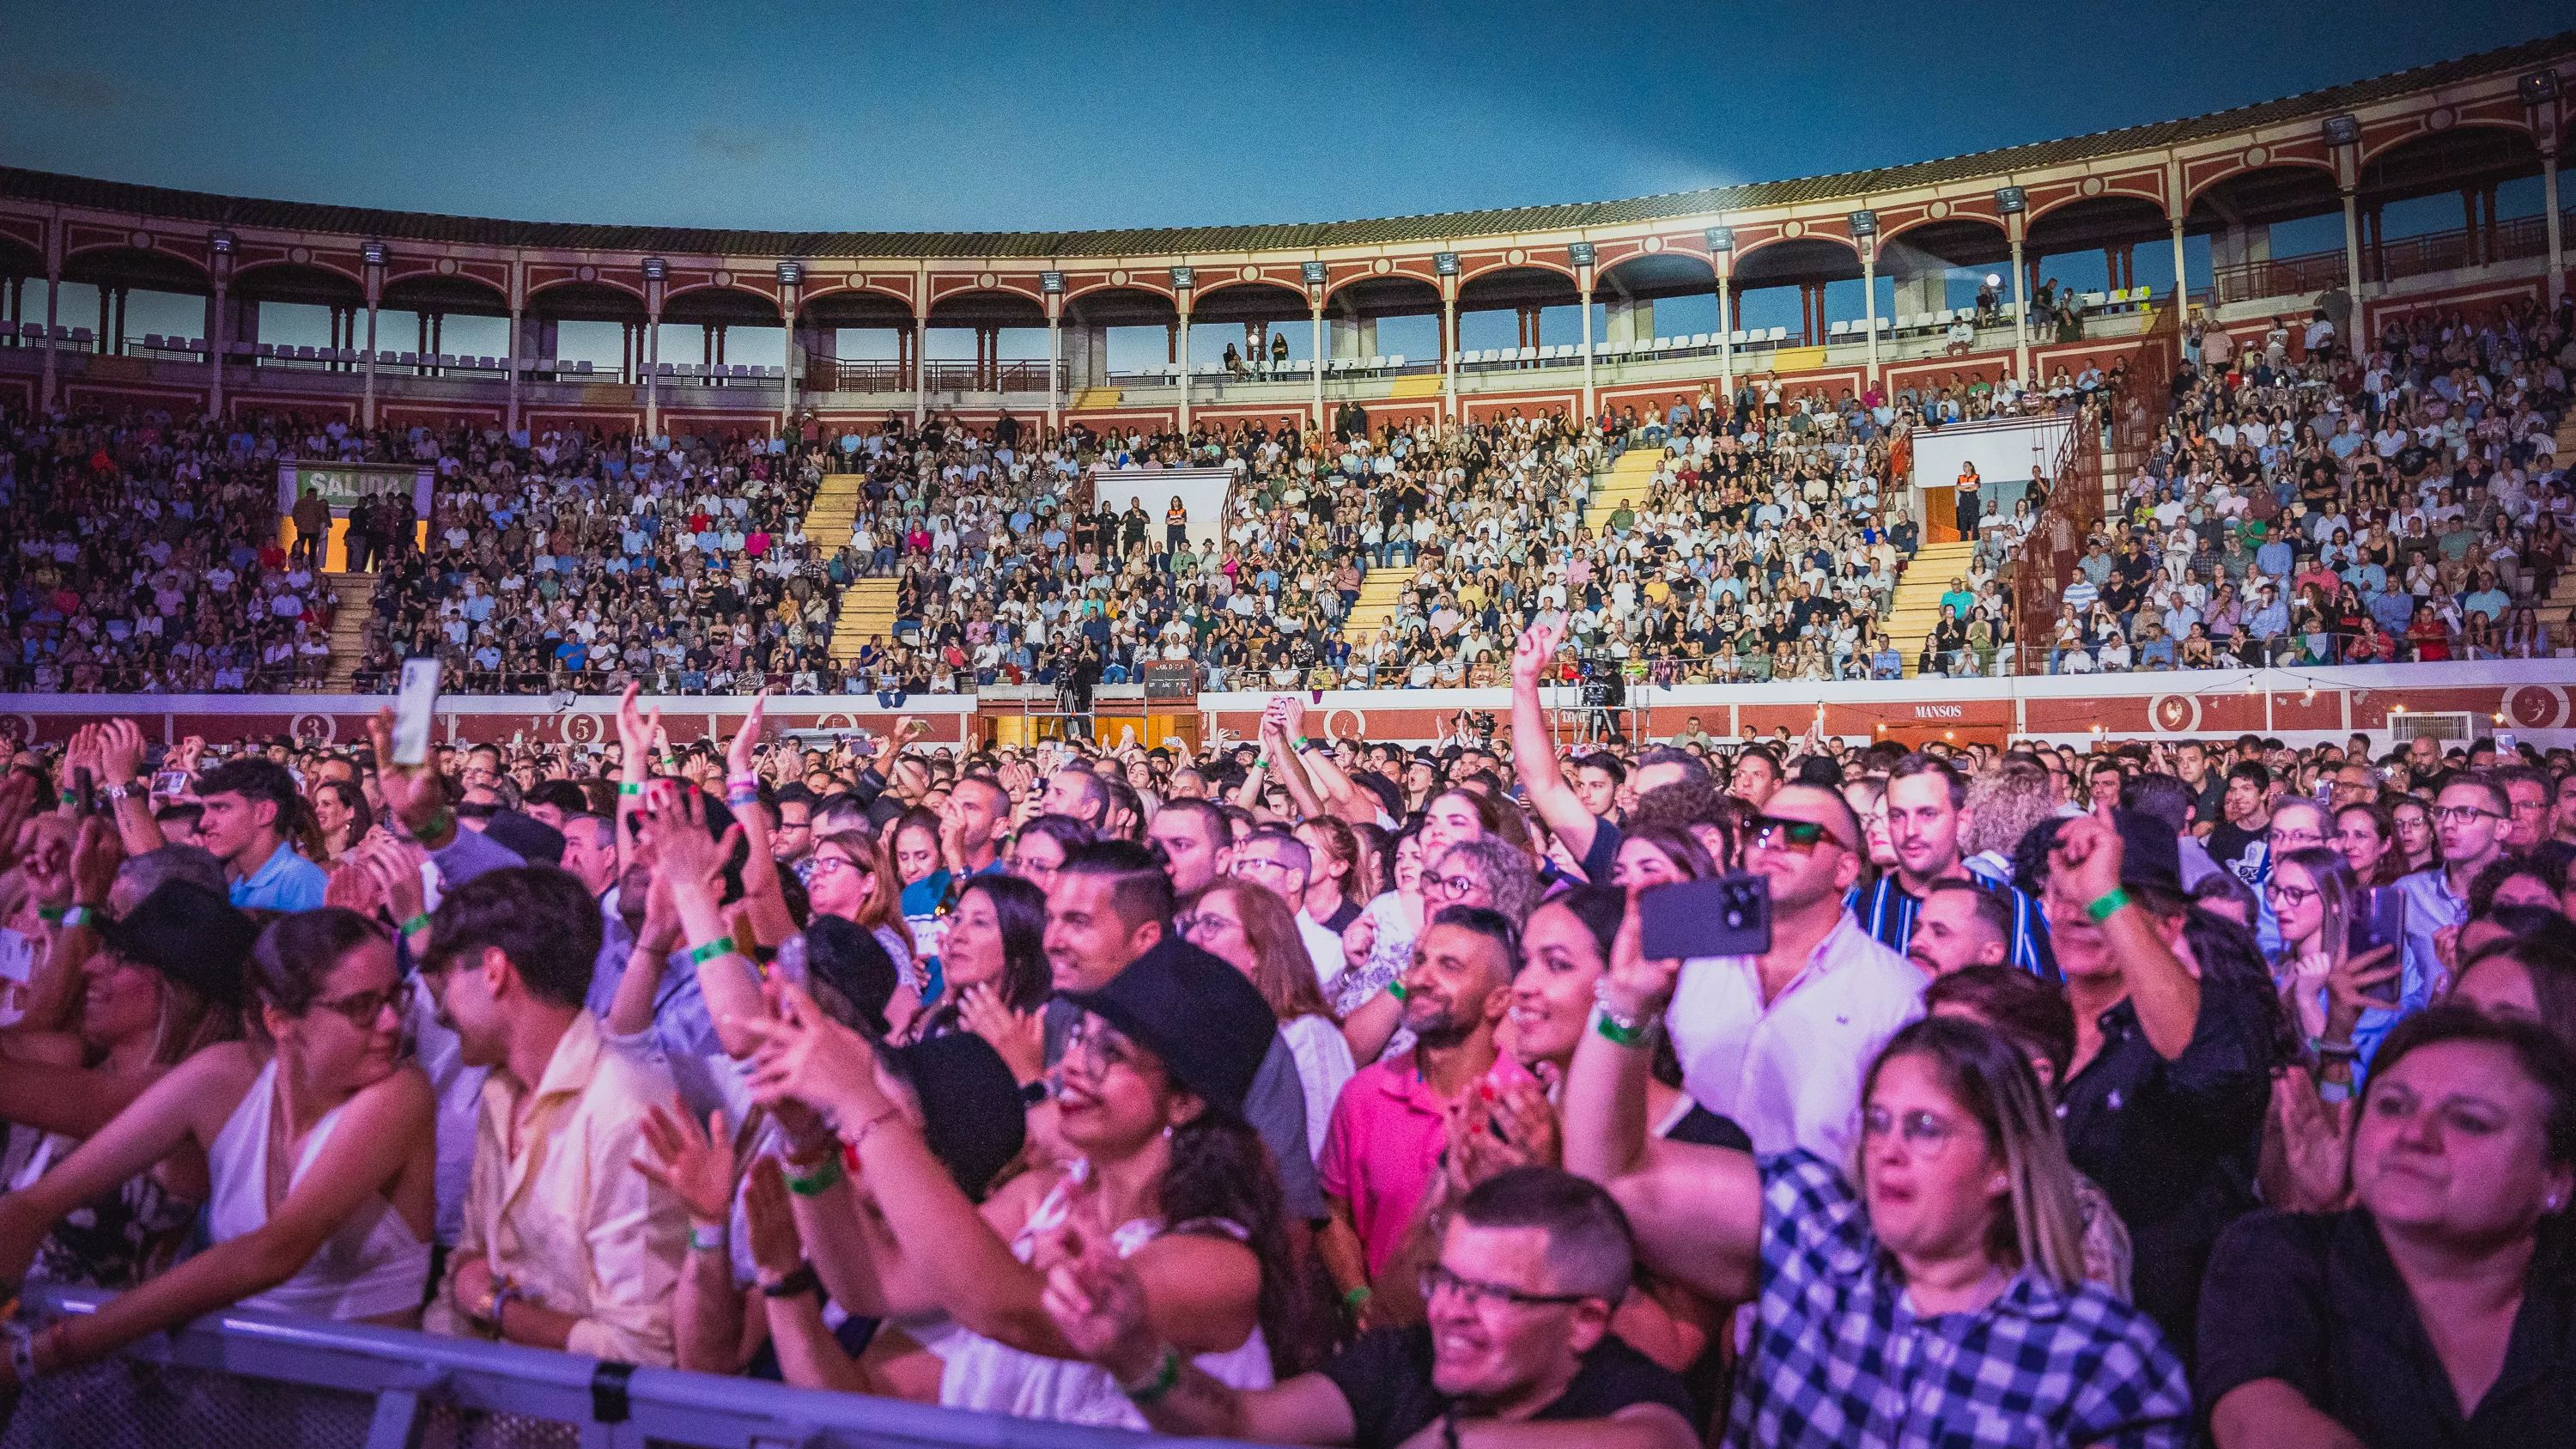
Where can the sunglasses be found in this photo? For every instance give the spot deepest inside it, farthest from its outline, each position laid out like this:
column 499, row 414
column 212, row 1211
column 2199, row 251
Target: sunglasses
column 1770, row 832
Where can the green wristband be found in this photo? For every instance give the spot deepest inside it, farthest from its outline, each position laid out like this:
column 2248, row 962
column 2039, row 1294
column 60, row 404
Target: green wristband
column 89, row 916
column 1356, row 1298
column 630, row 787
column 2101, row 910
column 719, row 947
column 819, row 1181
column 1395, row 989
column 1167, row 1376
column 50, row 915
column 416, row 924
column 1625, row 1035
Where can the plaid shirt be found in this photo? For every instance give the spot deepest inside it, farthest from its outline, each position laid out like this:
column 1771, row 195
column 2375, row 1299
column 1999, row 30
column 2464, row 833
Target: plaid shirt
column 1838, row 1359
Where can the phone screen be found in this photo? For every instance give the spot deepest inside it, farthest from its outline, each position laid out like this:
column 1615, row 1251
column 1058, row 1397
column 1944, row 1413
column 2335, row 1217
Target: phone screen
column 413, row 709
column 2378, row 919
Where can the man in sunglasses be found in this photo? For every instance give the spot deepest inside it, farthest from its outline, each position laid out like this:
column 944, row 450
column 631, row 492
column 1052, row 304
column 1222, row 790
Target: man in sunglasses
column 1778, row 1042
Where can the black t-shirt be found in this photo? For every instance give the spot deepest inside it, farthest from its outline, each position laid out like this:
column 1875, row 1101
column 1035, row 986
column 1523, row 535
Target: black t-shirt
column 2313, row 1300
column 2238, row 851
column 1386, row 1379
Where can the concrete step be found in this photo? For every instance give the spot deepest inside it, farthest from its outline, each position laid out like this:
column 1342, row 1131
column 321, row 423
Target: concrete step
column 867, row 613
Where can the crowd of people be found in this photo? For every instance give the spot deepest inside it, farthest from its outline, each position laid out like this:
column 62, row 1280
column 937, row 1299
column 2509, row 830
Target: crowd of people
column 1326, row 1091
column 2311, row 500
column 2329, row 499
column 142, row 557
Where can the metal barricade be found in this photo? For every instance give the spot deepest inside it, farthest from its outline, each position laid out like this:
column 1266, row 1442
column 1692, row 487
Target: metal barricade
column 242, row 1379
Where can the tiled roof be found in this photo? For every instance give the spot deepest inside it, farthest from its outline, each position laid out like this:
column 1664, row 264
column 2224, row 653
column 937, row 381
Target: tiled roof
column 155, row 201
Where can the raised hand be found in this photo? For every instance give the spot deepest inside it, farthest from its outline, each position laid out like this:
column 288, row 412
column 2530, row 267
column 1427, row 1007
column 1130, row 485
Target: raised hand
column 120, row 752
column 694, row 1163
column 738, row 761
column 1634, row 986
column 804, row 1055
column 1018, row 1037
column 2086, row 858
column 96, row 854
column 1098, row 1303
column 636, row 728
column 777, row 1247
column 413, row 794
column 683, row 852
column 1530, row 657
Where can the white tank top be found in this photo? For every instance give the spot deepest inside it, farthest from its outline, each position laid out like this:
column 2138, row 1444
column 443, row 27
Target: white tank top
column 373, row 1265
column 984, row 1374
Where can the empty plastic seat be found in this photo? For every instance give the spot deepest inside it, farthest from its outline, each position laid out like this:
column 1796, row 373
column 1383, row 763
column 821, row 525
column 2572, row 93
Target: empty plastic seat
column 1395, row 359
column 1699, row 339
column 152, row 339
column 80, row 334
column 739, row 370
column 2092, row 299
column 1839, row 329
column 195, row 344
column 409, row 359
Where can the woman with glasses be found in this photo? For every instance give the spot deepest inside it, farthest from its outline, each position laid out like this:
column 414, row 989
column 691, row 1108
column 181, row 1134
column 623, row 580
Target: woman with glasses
column 319, row 1146
column 1150, row 1100
column 1038, row 848
column 1956, row 1230
column 849, row 875
column 2315, row 898
column 1485, row 872
column 2418, row 842
column 1250, row 928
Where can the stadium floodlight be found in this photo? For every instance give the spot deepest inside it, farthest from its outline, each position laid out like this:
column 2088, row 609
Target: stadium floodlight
column 656, row 269
column 1721, row 239
column 1994, row 279
column 1580, row 253
column 1863, row 222
column 220, row 243
column 1444, row 264
column 372, row 253
column 2344, row 130
column 1315, row 274
column 2538, row 87
column 1051, row 283
column 1184, row 277
column 791, row 274
column 2011, row 200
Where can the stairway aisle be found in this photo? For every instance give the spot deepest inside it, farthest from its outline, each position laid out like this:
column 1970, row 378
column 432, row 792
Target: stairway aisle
column 349, row 627
column 1917, row 605
column 1626, row 481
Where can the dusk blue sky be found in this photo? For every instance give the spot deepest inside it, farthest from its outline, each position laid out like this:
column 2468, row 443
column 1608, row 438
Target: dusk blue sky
column 1043, row 116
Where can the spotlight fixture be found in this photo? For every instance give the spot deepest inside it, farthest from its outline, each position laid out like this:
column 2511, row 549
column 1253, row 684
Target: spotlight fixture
column 1184, row 277
column 1863, row 222
column 656, row 269
column 2343, row 130
column 372, row 253
column 1051, row 283
column 2011, row 199
column 1315, row 274
column 791, row 274
column 1721, row 239
column 1579, row 253
column 1444, row 263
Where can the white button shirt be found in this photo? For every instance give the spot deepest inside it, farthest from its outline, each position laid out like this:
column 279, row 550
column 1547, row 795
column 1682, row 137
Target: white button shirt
column 1789, row 1073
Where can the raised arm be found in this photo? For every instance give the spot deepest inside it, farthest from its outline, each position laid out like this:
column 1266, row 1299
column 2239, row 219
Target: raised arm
column 1534, row 753
column 383, row 1129
column 1696, row 1211
column 2086, row 863
column 636, row 731
column 694, row 863
column 763, row 903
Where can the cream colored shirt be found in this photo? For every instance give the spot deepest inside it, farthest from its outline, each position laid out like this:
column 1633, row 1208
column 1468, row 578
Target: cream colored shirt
column 558, row 1208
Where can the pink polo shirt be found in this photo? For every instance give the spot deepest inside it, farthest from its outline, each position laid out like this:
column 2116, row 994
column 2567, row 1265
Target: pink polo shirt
column 1381, row 1150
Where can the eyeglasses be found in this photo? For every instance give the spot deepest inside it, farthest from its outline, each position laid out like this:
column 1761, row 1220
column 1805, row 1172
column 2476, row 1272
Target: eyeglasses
column 2295, row 839
column 1459, row 886
column 1924, row 1132
column 2463, row 814
column 1480, row 1295
column 1770, row 832
column 2289, row 894
column 1200, row 925
column 817, row 866
column 361, row 1009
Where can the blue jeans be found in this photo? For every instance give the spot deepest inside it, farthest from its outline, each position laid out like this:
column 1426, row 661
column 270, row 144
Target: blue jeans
column 891, row 698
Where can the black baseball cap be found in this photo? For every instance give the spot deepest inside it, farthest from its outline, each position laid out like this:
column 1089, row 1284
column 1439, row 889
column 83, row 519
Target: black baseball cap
column 2150, row 852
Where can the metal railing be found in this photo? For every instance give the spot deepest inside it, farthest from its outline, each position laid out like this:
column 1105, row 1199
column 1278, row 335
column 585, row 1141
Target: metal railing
column 240, row 1379
column 2300, row 276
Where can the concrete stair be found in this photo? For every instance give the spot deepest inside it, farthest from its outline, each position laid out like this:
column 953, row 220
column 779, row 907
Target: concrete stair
column 1626, row 482
column 349, row 626
column 1380, row 590
column 835, row 508
column 867, row 612
column 1917, row 605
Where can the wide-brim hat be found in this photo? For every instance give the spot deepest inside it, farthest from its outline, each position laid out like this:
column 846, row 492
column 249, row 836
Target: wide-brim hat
column 1204, row 1019
column 189, row 934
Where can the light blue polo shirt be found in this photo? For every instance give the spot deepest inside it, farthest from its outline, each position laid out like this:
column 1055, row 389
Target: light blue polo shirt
column 288, row 882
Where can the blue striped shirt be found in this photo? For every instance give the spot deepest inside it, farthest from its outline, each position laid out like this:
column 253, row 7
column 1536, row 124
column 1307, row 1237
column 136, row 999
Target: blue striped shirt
column 1887, row 912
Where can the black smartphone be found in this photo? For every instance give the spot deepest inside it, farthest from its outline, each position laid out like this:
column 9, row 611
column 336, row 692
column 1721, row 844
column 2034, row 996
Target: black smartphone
column 2379, row 919
column 1729, row 915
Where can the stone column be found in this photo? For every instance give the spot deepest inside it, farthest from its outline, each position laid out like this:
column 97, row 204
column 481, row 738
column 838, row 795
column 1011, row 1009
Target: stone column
column 375, row 298
column 1315, row 304
column 1586, row 290
column 1055, row 358
column 1181, row 354
column 1869, row 300
column 2549, row 203
column 2182, row 273
column 53, row 302
column 2021, row 305
column 2352, row 246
